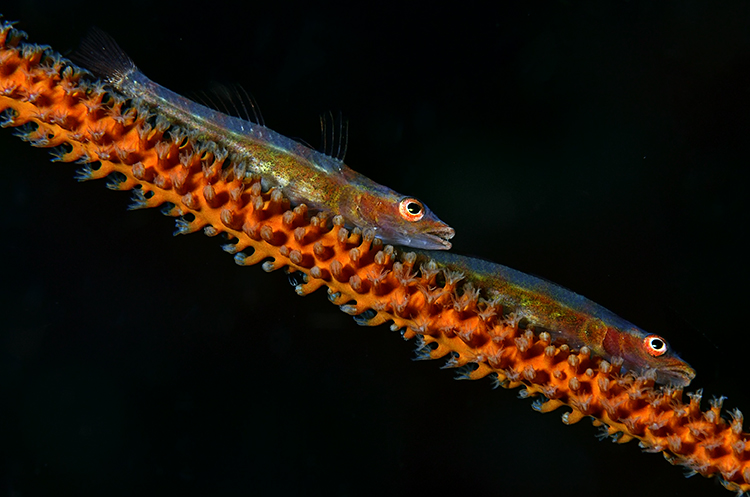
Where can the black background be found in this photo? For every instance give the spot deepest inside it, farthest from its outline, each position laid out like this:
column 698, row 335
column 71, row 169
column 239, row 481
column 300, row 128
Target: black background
column 602, row 145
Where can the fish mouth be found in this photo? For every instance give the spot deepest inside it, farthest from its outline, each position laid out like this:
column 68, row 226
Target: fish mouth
column 437, row 239
column 679, row 376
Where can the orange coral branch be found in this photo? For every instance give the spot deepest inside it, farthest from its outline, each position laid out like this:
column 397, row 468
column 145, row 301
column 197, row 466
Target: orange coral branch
column 437, row 307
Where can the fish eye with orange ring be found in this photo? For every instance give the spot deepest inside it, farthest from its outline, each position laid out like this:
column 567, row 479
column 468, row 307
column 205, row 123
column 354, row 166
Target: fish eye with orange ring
column 411, row 209
column 655, row 345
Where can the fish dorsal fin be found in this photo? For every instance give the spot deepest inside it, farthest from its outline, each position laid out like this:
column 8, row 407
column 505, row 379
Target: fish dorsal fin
column 302, row 141
column 100, row 54
column 334, row 135
column 232, row 100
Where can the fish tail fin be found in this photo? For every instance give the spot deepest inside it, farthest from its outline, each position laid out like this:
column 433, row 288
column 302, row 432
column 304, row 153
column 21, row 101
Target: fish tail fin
column 100, row 54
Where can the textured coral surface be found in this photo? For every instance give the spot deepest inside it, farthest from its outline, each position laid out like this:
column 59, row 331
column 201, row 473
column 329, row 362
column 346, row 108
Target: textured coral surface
column 174, row 312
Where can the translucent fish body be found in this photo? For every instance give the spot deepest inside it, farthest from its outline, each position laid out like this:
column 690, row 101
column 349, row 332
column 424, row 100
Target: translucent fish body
column 572, row 318
column 306, row 176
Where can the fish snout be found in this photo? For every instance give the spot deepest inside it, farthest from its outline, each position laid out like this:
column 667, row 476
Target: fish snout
column 437, row 238
column 678, row 375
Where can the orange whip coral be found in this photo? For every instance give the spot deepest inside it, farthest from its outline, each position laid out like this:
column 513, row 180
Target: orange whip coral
column 439, row 308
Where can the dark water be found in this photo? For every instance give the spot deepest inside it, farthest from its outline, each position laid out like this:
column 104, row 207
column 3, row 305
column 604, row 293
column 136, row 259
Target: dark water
column 600, row 145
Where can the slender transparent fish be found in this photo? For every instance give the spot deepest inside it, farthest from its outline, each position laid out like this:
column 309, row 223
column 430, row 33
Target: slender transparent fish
column 572, row 318
column 306, row 176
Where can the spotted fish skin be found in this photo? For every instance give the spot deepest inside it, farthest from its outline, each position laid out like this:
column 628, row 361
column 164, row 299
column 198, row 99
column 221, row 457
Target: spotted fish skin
column 306, row 176
column 572, row 318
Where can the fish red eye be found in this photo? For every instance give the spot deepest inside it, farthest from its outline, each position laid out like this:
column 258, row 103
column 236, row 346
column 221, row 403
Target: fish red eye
column 411, row 209
column 655, row 345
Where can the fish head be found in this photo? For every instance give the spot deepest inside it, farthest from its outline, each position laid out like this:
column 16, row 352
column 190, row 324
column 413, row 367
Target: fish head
column 407, row 221
column 643, row 351
column 395, row 218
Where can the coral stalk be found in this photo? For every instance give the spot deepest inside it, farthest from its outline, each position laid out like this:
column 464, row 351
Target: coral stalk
column 52, row 104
